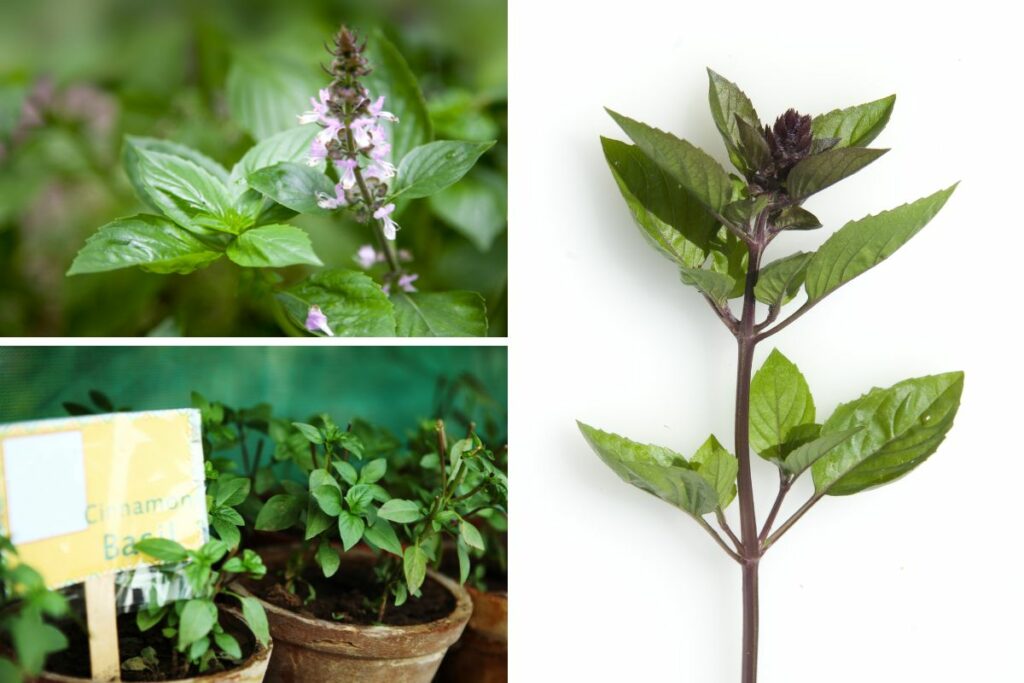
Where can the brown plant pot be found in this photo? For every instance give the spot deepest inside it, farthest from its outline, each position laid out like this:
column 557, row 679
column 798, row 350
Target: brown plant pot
column 315, row 650
column 251, row 670
column 481, row 655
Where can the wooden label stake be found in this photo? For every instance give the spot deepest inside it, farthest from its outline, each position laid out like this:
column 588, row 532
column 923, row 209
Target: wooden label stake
column 101, row 617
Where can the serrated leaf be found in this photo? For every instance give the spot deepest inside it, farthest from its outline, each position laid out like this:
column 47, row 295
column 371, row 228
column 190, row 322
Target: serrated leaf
column 860, row 245
column 674, row 222
column 719, row 468
column 780, row 280
column 802, row 457
column 131, row 158
column 901, row 427
column 729, row 103
column 432, row 167
column 657, row 470
column 189, row 194
column 752, row 146
column 819, row 171
column 796, row 218
column 855, row 126
column 353, row 302
column 779, row 401
column 694, row 170
column 440, row 314
column 152, row 243
column 716, row 286
column 273, row 246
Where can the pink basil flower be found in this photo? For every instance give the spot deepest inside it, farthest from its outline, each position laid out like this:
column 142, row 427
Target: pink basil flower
column 390, row 227
column 316, row 321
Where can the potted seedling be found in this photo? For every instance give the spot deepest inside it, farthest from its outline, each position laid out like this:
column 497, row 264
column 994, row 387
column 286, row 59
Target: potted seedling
column 212, row 635
column 716, row 227
column 375, row 613
column 28, row 612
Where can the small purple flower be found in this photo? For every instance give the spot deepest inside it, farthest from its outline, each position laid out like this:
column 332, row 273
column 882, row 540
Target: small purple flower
column 348, row 172
column 332, row 127
column 377, row 110
column 317, row 152
column 405, row 282
column 390, row 227
column 362, row 132
column 325, row 201
column 319, row 110
column 367, row 256
column 316, row 321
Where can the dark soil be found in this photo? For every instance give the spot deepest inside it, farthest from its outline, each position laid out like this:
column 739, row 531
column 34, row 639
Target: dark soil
column 74, row 661
column 343, row 598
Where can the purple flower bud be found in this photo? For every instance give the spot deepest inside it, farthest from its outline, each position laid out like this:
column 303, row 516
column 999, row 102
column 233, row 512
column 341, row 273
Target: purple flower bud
column 316, row 321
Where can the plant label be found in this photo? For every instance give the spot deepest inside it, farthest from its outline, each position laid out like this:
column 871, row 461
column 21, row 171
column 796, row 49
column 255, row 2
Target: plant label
column 77, row 493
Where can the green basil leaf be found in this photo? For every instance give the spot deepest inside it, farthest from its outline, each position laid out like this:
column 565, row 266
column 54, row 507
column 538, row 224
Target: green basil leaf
column 659, row 471
column 432, row 167
column 802, row 457
column 328, row 498
column 392, row 77
column 796, row 218
column 860, row 245
column 855, row 126
column 163, row 549
column 476, row 207
column 729, row 103
column 440, row 314
column 819, row 171
column 289, row 145
column 197, row 619
column 414, row 566
column 691, row 167
column 716, row 286
column 674, row 222
column 228, row 645
column 781, row 280
column 400, row 511
column 901, row 427
column 327, row 558
column 280, row 512
column 266, row 93
column 131, row 159
column 382, row 535
column 779, row 401
column 256, row 618
column 293, row 185
column 189, row 194
column 471, row 535
column 354, row 304
column 153, row 243
column 273, row 246
column 719, row 468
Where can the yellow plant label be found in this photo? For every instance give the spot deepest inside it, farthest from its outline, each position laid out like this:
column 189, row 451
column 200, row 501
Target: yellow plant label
column 77, row 493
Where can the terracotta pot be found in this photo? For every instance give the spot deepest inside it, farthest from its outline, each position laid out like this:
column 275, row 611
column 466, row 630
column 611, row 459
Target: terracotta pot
column 252, row 670
column 481, row 655
column 315, row 650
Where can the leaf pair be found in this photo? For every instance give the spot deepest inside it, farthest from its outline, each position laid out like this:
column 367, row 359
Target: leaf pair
column 205, row 212
column 865, row 443
column 698, row 486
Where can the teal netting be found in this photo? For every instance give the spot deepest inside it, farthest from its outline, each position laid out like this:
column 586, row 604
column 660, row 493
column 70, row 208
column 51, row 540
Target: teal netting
column 391, row 386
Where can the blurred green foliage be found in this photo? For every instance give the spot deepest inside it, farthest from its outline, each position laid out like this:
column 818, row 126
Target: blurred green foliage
column 75, row 77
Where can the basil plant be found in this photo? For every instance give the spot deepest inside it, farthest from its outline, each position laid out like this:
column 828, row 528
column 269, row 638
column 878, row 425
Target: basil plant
column 365, row 149
column 716, row 227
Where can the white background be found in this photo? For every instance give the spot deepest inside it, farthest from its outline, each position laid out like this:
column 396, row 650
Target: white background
column 917, row 581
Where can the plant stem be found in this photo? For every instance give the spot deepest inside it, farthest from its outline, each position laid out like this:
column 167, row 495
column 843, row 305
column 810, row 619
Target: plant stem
column 792, row 520
column 784, row 485
column 751, row 548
